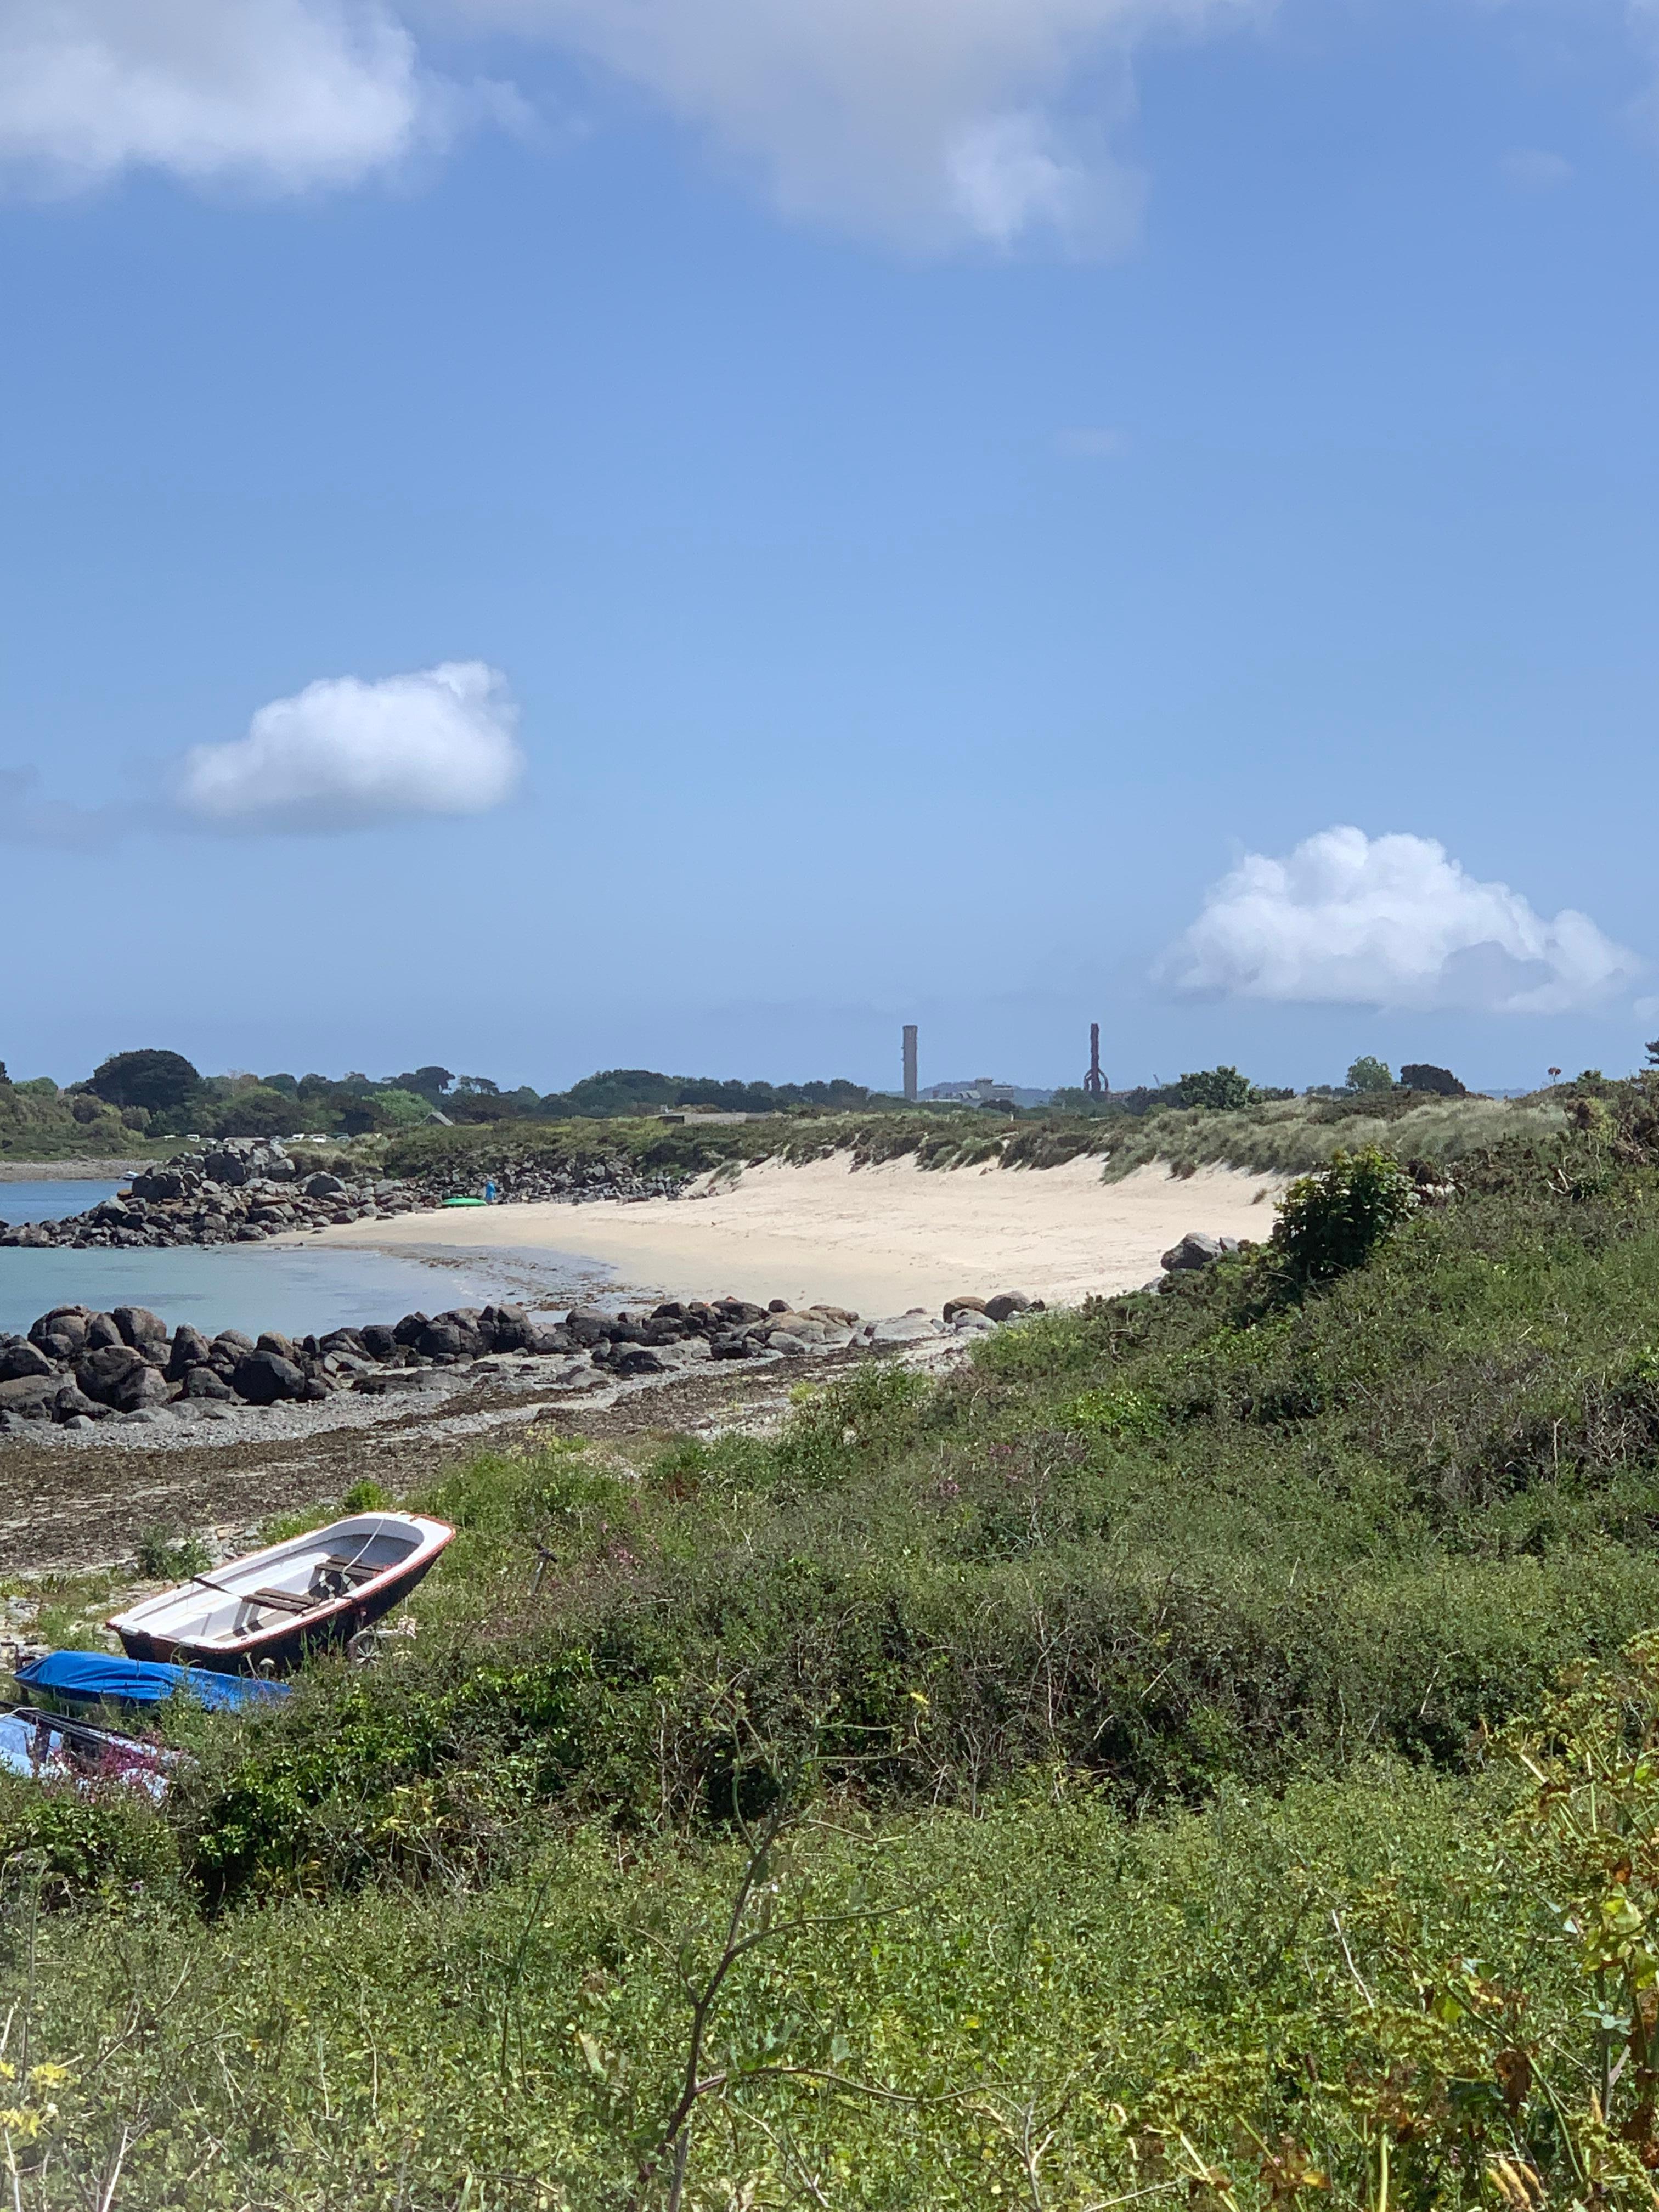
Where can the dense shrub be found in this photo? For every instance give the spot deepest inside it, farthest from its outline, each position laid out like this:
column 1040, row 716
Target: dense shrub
column 1332, row 1221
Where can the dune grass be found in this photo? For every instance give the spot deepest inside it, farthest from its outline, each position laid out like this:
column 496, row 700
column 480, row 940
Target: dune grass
column 1292, row 1136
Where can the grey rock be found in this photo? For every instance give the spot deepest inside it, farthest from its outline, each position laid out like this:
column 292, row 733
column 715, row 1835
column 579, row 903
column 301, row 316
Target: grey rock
column 30, row 1397
column 1195, row 1250
column 1007, row 1304
column 967, row 1322
column 687, row 1352
column 903, row 1328
column 190, row 1349
column 323, row 1186
column 20, row 1359
column 635, row 1359
column 201, row 1382
column 139, row 1325
column 586, row 1324
column 542, row 1339
column 785, row 1341
column 158, row 1183
column 62, row 1325
column 264, row 1378
column 270, row 1340
column 953, row 1307
column 145, row 1388
column 102, row 1333
column 504, row 1328
column 73, row 1404
column 109, row 1370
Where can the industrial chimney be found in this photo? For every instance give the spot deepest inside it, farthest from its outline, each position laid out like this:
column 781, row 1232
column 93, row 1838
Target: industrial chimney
column 911, row 1062
column 1094, row 1083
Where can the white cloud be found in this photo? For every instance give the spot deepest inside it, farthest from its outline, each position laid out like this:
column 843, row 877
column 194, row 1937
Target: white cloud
column 1349, row 919
column 280, row 94
column 926, row 121
column 343, row 754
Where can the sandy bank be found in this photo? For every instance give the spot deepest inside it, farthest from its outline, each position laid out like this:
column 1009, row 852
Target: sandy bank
column 878, row 1239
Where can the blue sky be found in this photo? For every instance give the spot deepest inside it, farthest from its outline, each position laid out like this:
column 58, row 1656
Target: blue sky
column 940, row 505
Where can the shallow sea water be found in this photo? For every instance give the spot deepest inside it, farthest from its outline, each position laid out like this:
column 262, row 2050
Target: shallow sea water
column 293, row 1289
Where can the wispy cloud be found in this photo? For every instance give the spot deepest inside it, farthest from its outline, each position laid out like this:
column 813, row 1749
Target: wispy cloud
column 280, row 94
column 931, row 122
column 343, row 754
column 1350, row 920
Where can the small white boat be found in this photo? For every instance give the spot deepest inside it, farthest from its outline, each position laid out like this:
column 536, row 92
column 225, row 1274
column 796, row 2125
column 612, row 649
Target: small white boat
column 263, row 1611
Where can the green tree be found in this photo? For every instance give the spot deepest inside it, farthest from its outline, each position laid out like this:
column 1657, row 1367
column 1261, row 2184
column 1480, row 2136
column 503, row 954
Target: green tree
column 153, row 1080
column 1423, row 1075
column 1221, row 1089
column 1368, row 1073
column 258, row 1112
column 404, row 1109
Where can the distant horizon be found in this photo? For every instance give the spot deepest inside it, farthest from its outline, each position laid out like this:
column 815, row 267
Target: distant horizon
column 1262, row 1076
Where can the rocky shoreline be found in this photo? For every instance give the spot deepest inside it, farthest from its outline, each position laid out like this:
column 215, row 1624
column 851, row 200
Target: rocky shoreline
column 244, row 1189
column 77, row 1368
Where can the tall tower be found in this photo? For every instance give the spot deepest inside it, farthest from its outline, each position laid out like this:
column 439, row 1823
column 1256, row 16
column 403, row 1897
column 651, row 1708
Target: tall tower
column 911, row 1062
column 1094, row 1083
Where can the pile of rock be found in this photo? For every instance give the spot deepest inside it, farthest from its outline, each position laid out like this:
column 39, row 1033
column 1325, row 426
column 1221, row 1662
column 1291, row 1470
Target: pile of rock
column 246, row 1188
column 236, row 1192
column 79, row 1366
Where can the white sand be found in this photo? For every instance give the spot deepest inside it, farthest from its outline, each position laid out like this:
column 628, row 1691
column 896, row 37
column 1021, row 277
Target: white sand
column 878, row 1239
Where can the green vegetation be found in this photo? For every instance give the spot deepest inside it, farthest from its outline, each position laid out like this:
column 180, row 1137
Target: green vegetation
column 1203, row 1750
column 39, row 1122
column 1333, row 1221
column 1369, row 1073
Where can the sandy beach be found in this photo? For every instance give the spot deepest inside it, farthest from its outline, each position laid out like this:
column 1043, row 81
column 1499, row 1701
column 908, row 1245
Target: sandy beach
column 878, row 1239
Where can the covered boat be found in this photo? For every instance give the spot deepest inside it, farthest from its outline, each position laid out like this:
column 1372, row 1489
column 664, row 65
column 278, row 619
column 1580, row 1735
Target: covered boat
column 264, row 1612
column 90, row 1679
column 46, row 1747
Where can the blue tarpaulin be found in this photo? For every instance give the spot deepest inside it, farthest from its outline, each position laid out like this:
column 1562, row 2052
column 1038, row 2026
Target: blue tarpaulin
column 95, row 1677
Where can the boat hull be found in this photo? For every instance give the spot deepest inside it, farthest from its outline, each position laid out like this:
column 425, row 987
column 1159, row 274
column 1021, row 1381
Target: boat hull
column 275, row 1646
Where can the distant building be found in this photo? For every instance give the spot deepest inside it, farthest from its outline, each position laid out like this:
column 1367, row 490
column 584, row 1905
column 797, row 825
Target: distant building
column 982, row 1089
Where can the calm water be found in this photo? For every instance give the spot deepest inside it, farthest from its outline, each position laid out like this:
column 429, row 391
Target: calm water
column 254, row 1286
column 50, row 1202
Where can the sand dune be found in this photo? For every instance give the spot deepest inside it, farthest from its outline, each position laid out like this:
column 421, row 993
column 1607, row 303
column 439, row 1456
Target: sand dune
column 880, row 1239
